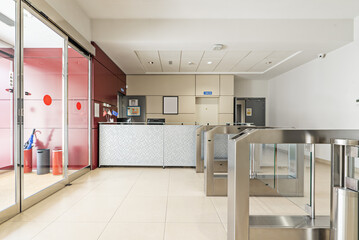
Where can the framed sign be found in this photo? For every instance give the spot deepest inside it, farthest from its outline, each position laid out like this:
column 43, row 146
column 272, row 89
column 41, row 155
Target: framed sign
column 133, row 111
column 170, row 105
column 133, row 102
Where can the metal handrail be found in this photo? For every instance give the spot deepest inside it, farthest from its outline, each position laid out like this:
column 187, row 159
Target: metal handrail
column 239, row 167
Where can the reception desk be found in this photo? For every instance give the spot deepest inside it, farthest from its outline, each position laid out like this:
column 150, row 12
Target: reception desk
column 147, row 145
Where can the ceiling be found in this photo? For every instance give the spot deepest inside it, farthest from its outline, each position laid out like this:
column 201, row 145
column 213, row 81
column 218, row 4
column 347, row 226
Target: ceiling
column 132, row 43
column 220, row 9
column 254, row 62
column 286, row 33
column 261, row 38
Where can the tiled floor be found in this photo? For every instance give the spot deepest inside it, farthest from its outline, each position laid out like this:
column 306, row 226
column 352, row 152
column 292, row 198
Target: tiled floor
column 33, row 183
column 134, row 204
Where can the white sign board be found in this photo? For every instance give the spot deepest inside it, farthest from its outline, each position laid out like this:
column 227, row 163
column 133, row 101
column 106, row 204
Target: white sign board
column 170, row 105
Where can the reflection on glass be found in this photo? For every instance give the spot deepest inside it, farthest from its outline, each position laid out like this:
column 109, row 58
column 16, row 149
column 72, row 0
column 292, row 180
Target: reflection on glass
column 264, row 164
column 286, row 170
column 43, row 114
column 353, row 167
column 7, row 42
column 78, row 75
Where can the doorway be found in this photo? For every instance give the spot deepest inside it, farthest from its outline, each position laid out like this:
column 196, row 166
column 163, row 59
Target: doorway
column 250, row 110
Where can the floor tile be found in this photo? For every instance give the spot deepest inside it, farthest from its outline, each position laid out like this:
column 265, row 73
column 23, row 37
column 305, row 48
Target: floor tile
column 195, row 231
column 220, row 203
column 20, row 230
column 71, row 231
column 133, row 231
column 93, row 209
column 191, row 209
column 150, row 187
column 113, row 188
column 142, row 209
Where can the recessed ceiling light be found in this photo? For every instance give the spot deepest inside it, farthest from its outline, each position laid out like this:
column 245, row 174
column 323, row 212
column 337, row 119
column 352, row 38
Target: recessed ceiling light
column 217, row 47
column 209, row 63
column 151, row 62
column 190, row 63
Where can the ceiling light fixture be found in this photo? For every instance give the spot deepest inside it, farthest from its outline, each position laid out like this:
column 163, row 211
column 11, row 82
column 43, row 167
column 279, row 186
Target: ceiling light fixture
column 209, row 63
column 269, row 63
column 151, row 62
column 190, row 63
column 217, row 47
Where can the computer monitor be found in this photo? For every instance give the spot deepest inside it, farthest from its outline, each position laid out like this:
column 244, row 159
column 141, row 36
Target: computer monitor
column 124, row 120
column 156, row 121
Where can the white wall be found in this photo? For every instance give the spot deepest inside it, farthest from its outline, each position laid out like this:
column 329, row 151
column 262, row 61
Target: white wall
column 250, row 88
column 74, row 15
column 319, row 95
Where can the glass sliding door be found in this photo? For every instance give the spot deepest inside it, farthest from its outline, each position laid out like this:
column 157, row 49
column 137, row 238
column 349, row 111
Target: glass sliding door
column 9, row 172
column 78, row 111
column 45, row 104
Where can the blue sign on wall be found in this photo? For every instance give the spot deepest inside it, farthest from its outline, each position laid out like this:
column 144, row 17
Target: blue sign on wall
column 114, row 113
column 122, row 90
column 207, row 92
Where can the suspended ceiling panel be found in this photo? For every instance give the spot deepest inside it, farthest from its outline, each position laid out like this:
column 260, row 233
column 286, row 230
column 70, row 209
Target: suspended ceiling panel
column 212, row 61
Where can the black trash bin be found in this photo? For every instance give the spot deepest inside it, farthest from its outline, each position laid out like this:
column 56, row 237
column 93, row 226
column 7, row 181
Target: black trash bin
column 43, row 161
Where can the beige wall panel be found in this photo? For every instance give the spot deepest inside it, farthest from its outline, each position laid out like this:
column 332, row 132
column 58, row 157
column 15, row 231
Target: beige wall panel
column 161, row 85
column 187, row 104
column 154, row 104
column 180, row 118
column 226, row 85
column 207, row 110
column 207, row 83
column 224, row 118
column 225, row 104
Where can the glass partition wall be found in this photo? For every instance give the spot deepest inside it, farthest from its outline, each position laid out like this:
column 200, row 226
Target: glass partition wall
column 47, row 83
column 9, row 194
column 43, row 92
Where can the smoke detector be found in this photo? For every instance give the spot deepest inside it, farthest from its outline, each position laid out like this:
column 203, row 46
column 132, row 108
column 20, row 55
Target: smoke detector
column 217, row 47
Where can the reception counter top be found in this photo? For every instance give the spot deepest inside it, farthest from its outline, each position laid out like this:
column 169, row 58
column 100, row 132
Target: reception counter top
column 147, row 145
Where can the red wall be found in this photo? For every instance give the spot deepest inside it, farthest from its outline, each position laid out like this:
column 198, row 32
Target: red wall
column 43, row 76
column 6, row 130
column 108, row 81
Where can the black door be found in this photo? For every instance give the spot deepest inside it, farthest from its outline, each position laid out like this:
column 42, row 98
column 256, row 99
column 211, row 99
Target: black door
column 256, row 111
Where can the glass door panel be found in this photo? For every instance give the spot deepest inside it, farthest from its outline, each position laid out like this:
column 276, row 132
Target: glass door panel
column 43, row 105
column 8, row 190
column 78, row 127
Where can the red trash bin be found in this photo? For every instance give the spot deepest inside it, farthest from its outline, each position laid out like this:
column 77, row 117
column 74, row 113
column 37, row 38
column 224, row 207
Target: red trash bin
column 27, row 160
column 56, row 162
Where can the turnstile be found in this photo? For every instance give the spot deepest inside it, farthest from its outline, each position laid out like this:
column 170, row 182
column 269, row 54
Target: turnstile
column 216, row 165
column 199, row 146
column 343, row 220
column 345, row 188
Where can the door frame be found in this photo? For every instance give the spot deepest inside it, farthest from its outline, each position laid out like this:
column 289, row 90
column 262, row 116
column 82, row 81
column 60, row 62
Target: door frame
column 21, row 203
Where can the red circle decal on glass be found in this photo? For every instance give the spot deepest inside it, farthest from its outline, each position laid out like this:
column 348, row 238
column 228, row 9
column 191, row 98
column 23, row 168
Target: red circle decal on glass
column 78, row 106
column 47, row 100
